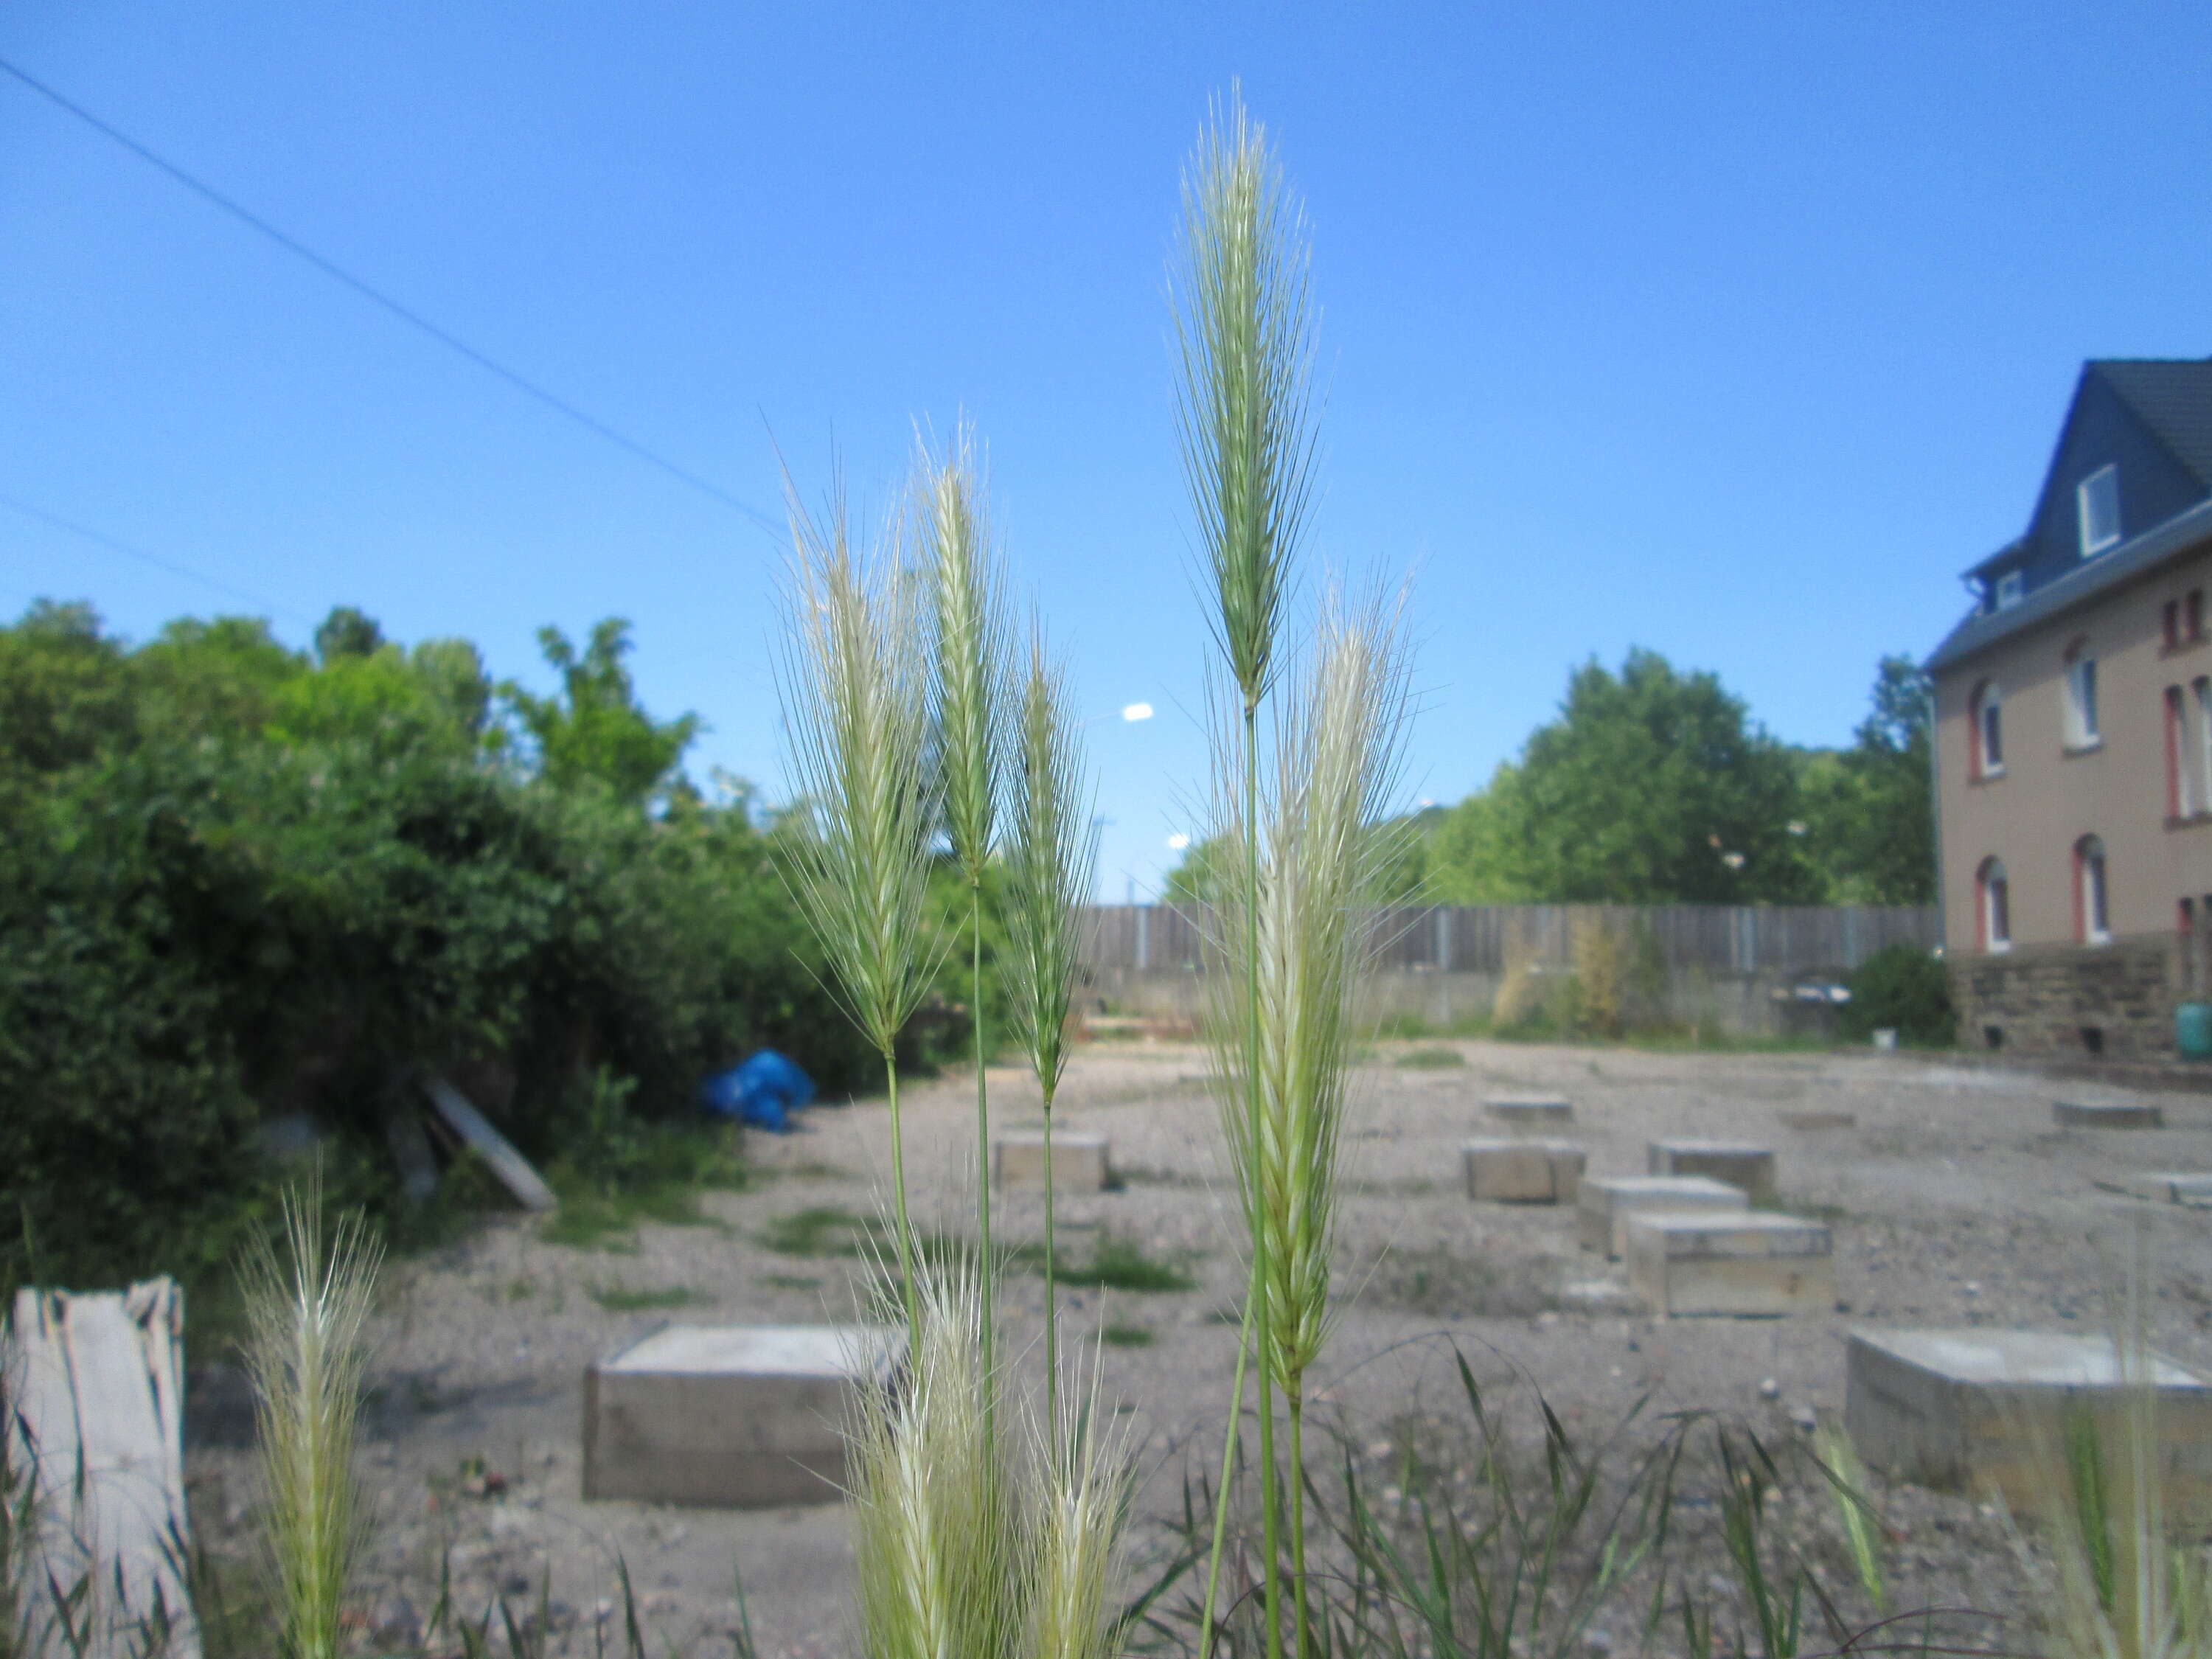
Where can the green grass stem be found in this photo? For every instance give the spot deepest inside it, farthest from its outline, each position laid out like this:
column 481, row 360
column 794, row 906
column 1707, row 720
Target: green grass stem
column 967, row 680
column 855, row 684
column 1054, row 845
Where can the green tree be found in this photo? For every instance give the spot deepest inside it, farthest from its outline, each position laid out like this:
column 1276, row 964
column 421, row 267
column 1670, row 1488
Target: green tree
column 452, row 671
column 1467, row 853
column 214, row 679
column 1868, row 810
column 66, row 691
column 1402, row 863
column 236, row 881
column 1652, row 786
column 347, row 632
column 595, row 729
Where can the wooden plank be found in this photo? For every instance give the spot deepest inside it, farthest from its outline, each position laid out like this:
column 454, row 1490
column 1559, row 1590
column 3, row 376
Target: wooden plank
column 98, row 1383
column 498, row 1153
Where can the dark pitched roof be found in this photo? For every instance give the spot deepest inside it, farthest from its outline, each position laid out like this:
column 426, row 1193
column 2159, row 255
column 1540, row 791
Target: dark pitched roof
column 2130, row 559
column 2173, row 397
column 2170, row 399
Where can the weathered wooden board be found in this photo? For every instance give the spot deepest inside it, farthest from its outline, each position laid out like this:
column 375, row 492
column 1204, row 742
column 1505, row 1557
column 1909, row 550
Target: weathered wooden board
column 98, row 1383
column 498, row 1155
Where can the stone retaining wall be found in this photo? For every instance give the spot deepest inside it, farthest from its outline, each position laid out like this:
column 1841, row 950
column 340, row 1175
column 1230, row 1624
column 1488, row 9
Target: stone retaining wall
column 2114, row 1001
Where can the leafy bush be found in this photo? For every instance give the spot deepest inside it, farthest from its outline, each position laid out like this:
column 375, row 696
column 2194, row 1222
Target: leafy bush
column 1904, row 988
column 239, row 884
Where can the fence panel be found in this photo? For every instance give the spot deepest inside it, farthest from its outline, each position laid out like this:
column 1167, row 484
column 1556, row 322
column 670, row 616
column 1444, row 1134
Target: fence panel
column 1480, row 939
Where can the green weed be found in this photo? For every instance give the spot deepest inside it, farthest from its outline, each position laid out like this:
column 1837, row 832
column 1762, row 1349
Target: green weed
column 623, row 1298
column 1429, row 1059
column 1126, row 1336
column 1120, row 1264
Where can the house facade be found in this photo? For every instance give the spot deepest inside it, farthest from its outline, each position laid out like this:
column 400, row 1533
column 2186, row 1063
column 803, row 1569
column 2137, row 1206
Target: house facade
column 2073, row 736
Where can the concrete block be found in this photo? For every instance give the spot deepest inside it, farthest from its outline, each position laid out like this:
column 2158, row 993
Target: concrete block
column 1523, row 1171
column 2171, row 1187
column 1739, row 1163
column 1530, row 1111
column 1606, row 1205
column 1976, row 1408
column 1815, row 1123
column 733, row 1416
column 1756, row 1263
column 2077, row 1115
column 1080, row 1161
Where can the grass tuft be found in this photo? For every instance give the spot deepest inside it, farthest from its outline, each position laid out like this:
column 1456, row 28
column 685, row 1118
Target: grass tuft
column 1120, row 1264
column 621, row 1298
column 308, row 1299
column 1419, row 1060
column 935, row 1547
column 1077, row 1509
column 1128, row 1336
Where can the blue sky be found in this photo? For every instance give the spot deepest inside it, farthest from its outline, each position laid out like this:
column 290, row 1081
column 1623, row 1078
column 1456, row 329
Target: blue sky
column 1734, row 331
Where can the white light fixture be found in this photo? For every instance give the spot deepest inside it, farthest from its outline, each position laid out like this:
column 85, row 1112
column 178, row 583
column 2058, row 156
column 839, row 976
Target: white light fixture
column 1138, row 711
column 1178, row 842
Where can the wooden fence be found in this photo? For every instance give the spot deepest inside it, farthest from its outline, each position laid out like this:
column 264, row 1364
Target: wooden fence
column 1719, row 938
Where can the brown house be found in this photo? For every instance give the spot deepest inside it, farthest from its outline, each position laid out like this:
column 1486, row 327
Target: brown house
column 2073, row 736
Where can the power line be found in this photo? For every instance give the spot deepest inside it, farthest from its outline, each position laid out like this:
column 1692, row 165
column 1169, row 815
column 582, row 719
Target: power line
column 412, row 318
column 57, row 522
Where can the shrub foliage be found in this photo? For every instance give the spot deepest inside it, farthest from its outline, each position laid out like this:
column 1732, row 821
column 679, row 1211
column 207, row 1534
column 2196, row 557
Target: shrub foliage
column 1902, row 987
column 241, row 883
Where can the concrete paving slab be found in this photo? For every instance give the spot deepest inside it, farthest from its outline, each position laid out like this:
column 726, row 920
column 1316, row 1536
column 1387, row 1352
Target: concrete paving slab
column 1080, row 1163
column 729, row 1416
column 1606, row 1204
column 1523, row 1171
column 1742, row 1163
column 1972, row 1408
column 1756, row 1264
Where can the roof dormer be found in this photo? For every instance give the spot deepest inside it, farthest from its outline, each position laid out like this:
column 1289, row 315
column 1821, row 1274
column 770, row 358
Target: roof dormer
column 2097, row 510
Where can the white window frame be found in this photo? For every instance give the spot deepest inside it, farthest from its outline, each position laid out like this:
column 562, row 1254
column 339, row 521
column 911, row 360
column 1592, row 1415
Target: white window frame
column 2106, row 477
column 2081, row 731
column 1990, row 703
column 2095, row 897
column 2011, row 588
column 1995, row 898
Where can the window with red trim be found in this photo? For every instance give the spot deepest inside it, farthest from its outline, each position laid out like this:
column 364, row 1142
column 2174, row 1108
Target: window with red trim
column 2093, row 922
column 1992, row 906
column 2178, row 801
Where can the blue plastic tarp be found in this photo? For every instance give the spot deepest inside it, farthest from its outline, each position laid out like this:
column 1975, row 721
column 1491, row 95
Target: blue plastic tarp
column 760, row 1093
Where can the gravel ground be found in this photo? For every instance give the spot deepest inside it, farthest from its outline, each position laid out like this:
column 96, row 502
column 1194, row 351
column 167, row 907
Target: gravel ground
column 1954, row 1201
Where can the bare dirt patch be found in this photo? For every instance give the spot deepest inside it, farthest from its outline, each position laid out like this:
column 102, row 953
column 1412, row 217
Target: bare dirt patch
column 1956, row 1203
